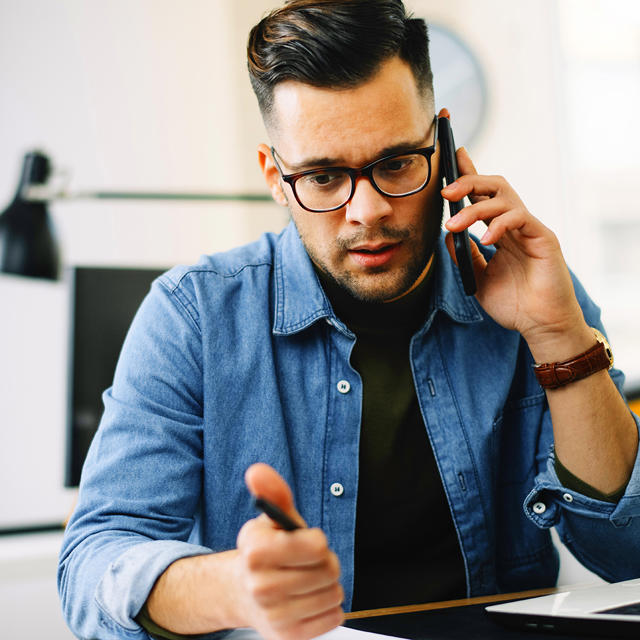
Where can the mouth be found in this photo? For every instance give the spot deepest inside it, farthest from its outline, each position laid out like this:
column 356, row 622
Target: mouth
column 374, row 255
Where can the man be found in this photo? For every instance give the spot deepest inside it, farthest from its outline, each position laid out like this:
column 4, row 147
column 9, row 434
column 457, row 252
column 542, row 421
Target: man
column 343, row 357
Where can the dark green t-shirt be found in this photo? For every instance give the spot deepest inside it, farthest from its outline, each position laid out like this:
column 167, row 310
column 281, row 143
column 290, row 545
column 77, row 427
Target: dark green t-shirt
column 406, row 546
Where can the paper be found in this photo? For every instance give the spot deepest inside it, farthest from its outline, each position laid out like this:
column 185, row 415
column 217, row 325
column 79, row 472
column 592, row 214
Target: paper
column 339, row 633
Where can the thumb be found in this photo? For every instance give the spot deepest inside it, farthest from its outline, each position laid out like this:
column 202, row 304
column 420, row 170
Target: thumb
column 265, row 482
column 478, row 261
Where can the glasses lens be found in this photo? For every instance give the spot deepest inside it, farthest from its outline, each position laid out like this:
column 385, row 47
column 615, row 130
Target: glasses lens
column 323, row 189
column 401, row 174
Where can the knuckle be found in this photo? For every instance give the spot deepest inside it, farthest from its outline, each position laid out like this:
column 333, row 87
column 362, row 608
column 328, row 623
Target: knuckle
column 292, row 633
column 338, row 616
column 259, row 591
column 244, row 532
column 334, row 566
column 248, row 532
column 254, row 558
column 317, row 542
column 334, row 618
column 278, row 620
column 334, row 596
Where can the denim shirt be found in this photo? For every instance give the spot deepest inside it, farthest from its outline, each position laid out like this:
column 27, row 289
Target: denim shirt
column 240, row 359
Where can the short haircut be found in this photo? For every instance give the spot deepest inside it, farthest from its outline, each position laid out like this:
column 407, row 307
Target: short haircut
column 334, row 44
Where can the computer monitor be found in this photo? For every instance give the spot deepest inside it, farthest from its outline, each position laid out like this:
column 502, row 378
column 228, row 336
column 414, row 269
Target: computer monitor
column 104, row 301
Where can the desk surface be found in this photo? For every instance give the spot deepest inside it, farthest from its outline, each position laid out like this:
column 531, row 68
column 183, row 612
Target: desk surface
column 449, row 620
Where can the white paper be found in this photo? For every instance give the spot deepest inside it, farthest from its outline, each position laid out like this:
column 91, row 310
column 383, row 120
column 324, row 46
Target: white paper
column 339, row 633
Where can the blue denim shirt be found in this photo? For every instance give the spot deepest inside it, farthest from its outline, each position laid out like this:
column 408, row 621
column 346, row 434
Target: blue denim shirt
column 239, row 359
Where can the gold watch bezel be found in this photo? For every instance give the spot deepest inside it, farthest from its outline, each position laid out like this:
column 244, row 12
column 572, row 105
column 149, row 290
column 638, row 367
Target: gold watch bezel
column 607, row 347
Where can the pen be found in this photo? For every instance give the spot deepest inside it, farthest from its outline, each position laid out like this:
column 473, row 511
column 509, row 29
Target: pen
column 276, row 514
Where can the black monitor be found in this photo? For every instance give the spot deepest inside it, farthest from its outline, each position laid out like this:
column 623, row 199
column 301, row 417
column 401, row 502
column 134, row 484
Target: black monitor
column 103, row 303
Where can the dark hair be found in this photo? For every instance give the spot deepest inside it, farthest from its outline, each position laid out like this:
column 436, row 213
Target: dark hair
column 334, row 43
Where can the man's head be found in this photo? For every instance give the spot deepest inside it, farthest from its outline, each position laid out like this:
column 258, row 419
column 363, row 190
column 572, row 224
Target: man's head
column 342, row 84
column 334, row 44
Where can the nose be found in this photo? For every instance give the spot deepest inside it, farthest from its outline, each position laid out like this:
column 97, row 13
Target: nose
column 367, row 206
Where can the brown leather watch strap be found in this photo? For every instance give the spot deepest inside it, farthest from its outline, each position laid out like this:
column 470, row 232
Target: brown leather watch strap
column 552, row 375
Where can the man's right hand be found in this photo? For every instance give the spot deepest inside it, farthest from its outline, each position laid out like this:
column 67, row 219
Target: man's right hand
column 284, row 584
column 289, row 579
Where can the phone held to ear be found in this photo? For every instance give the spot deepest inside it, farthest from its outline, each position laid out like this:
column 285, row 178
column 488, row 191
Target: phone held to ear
column 449, row 173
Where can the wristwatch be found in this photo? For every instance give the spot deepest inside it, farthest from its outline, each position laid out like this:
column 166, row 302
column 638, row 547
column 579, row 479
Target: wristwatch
column 552, row 375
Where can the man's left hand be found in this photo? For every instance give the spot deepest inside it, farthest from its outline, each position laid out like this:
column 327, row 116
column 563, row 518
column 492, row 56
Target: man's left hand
column 526, row 285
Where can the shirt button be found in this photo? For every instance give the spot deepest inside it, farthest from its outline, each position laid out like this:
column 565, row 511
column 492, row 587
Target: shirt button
column 344, row 386
column 336, row 489
column 539, row 508
column 567, row 497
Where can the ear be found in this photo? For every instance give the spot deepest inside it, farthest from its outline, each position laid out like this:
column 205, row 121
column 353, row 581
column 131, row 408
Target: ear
column 271, row 174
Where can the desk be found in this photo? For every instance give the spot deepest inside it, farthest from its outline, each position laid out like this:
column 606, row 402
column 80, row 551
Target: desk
column 449, row 620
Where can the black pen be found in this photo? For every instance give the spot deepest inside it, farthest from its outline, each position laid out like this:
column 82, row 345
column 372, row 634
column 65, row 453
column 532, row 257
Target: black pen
column 276, row 514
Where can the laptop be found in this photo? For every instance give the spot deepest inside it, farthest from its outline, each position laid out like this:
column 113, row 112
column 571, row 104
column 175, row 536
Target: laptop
column 605, row 610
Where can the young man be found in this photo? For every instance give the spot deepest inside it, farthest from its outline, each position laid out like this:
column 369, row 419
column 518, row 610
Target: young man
column 404, row 417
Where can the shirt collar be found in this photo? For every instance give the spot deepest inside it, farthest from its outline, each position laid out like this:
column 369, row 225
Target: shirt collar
column 300, row 300
column 448, row 291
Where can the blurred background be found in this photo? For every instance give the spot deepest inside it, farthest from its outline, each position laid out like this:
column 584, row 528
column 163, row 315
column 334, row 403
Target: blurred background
column 153, row 96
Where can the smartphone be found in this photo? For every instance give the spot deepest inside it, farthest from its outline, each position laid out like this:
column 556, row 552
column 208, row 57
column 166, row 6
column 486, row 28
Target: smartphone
column 449, row 174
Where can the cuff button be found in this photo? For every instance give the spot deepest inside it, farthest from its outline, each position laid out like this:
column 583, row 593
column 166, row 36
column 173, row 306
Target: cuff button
column 539, row 508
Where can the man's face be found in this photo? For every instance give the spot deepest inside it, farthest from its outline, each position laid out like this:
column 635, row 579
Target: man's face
column 375, row 246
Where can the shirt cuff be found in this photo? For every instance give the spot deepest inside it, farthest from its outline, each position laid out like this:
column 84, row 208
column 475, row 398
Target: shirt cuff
column 127, row 582
column 545, row 503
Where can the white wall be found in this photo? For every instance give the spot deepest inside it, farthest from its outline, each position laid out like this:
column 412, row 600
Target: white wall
column 148, row 96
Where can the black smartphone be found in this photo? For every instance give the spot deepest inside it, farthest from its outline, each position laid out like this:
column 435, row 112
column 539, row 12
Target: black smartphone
column 449, row 174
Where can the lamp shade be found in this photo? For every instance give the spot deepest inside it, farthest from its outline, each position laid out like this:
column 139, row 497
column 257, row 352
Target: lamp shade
column 27, row 244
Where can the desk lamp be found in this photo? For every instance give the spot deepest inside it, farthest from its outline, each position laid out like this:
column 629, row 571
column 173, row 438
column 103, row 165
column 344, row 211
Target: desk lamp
column 27, row 244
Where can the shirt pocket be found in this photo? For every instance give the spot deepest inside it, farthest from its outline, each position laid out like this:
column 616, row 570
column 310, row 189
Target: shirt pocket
column 516, row 435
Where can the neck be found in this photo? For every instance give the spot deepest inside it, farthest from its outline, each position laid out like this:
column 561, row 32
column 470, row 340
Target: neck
column 417, row 282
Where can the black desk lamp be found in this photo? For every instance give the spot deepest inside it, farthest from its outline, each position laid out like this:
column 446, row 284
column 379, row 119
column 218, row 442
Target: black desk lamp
column 27, row 244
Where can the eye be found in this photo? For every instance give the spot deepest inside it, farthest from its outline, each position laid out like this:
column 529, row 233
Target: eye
column 399, row 163
column 323, row 179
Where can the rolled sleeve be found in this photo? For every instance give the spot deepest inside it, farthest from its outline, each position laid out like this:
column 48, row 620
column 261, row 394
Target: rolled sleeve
column 549, row 497
column 127, row 582
column 604, row 536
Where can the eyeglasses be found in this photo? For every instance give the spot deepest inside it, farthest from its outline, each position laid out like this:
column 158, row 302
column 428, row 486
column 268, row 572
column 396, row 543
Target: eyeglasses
column 331, row 188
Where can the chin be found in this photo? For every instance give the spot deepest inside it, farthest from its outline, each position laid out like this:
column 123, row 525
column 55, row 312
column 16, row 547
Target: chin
column 365, row 290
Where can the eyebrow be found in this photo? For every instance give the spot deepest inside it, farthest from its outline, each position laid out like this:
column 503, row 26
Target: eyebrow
column 324, row 161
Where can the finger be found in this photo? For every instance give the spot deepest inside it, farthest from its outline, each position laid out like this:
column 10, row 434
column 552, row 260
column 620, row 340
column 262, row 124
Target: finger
column 467, row 168
column 486, row 211
column 465, row 164
column 315, row 626
column 272, row 585
column 265, row 482
column 516, row 220
column 478, row 260
column 478, row 188
column 264, row 547
column 298, row 609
